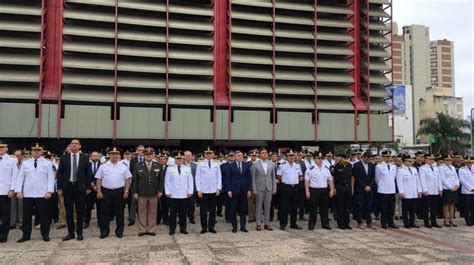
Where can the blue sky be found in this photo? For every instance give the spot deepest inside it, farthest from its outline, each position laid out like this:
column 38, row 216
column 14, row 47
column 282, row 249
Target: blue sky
column 447, row 19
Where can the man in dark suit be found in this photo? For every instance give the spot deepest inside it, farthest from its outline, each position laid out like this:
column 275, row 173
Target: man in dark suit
column 225, row 168
column 364, row 174
column 188, row 161
column 73, row 181
column 91, row 198
column 238, row 186
column 301, row 190
column 132, row 203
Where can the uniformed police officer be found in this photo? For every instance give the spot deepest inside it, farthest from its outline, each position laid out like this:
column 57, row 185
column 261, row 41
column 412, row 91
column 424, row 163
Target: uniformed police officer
column 466, row 178
column 188, row 161
column 432, row 190
column 385, row 174
column 290, row 174
column 8, row 174
column 343, row 181
column 146, row 190
column 113, row 185
column 208, row 186
column 35, row 185
column 179, row 186
column 409, row 187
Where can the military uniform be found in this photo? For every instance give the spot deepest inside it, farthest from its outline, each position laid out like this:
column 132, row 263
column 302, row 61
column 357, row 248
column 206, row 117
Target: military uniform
column 431, row 186
column 342, row 175
column 466, row 178
column 409, row 186
column 385, row 175
column 8, row 174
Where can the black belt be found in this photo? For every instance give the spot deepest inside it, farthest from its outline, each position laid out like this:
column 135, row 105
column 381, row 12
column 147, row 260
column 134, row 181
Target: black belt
column 319, row 188
column 291, row 185
column 113, row 189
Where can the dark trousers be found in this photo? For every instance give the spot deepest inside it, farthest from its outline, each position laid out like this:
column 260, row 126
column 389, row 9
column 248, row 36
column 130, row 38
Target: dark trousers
column 387, row 208
column 113, row 204
column 42, row 213
column 220, row 203
column 363, row 203
column 409, row 211
column 430, row 207
column 238, row 201
column 191, row 207
column 73, row 198
column 318, row 200
column 91, row 199
column 178, row 207
column 227, row 204
column 288, row 204
column 208, row 204
column 301, row 201
column 468, row 203
column 53, row 207
column 163, row 210
column 5, row 207
column 344, row 201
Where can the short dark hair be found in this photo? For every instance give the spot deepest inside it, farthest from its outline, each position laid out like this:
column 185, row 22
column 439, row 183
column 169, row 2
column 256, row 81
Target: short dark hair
column 261, row 150
column 76, row 139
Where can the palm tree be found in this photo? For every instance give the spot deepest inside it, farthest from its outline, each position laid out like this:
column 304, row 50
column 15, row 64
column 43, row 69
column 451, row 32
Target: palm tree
column 445, row 132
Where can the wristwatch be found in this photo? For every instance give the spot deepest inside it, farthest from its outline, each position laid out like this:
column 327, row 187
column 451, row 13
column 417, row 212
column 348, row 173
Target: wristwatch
column 126, row 191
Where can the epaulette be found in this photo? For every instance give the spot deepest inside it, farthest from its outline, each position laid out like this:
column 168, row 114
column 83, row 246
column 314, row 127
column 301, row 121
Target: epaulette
column 311, row 167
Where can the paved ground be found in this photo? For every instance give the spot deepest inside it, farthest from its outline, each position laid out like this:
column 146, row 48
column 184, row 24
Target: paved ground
column 446, row 245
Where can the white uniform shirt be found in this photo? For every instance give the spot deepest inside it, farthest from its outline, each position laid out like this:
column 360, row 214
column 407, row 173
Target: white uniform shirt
column 466, row 177
column 309, row 163
column 430, row 179
column 178, row 186
column 449, row 177
column 408, row 182
column 327, row 164
column 208, row 179
column 289, row 173
column 113, row 176
column 8, row 174
column 385, row 175
column 35, row 182
column 318, row 176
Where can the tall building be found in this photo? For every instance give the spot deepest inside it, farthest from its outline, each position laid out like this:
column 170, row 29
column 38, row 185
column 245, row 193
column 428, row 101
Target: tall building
column 442, row 64
column 225, row 72
column 441, row 99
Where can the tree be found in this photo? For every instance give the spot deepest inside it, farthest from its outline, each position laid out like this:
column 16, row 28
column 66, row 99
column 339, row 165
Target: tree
column 445, row 133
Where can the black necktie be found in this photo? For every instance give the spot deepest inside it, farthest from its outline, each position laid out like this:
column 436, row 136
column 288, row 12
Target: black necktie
column 240, row 168
column 388, row 166
column 432, row 168
column 95, row 167
column 409, row 169
column 36, row 163
column 1, row 158
column 179, row 170
column 209, row 163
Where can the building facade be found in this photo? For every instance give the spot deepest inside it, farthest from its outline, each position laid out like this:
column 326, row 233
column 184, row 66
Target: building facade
column 442, row 64
column 441, row 99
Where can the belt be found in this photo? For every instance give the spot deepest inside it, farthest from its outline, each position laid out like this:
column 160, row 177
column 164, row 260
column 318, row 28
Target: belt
column 113, row 189
column 291, row 185
column 72, row 183
column 318, row 188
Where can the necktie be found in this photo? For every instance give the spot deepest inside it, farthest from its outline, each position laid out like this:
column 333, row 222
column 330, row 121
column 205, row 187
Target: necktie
column 74, row 168
column 432, row 168
column 1, row 158
column 209, row 163
column 388, row 166
column 409, row 169
column 240, row 168
column 179, row 170
column 36, row 163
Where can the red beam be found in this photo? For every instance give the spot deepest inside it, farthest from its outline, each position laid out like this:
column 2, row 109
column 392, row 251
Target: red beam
column 315, row 46
column 59, row 35
column 369, row 133
column 355, row 59
column 42, row 68
column 167, row 68
column 229, row 69
column 115, row 70
column 273, row 69
column 220, row 53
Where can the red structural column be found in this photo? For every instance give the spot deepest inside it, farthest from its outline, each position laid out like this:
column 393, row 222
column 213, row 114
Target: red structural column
column 369, row 133
column 273, row 69
column 167, row 44
column 229, row 69
column 315, row 46
column 42, row 68
column 115, row 70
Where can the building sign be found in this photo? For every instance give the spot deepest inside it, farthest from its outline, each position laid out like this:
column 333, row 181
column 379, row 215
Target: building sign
column 399, row 96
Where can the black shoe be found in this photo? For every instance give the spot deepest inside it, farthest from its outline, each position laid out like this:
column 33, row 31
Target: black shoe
column 68, row 237
column 131, row 222
column 234, row 230
column 165, row 223
column 152, row 234
column 244, row 230
column 23, row 239
column 119, row 235
column 428, row 226
column 192, row 221
column 212, row 230
column 80, row 237
column 415, row 226
column 341, row 227
column 103, row 236
column 141, row 234
column 454, row 225
column 184, row 232
column 407, row 226
column 203, row 231
column 12, row 227
column 171, row 233
column 251, row 220
column 384, row 226
column 296, row 227
column 3, row 240
column 282, row 228
column 86, row 225
column 348, row 227
column 219, row 214
column 311, row 228
column 469, row 224
column 327, row 227
column 46, row 239
column 436, row 225
column 393, row 226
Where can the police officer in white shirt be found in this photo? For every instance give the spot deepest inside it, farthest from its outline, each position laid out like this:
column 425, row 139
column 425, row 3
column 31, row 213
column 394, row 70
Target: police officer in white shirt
column 385, row 174
column 289, row 173
column 329, row 161
column 208, row 186
column 409, row 187
column 450, row 181
column 113, row 185
column 179, row 186
column 317, row 180
column 35, row 185
column 466, row 177
column 432, row 190
column 8, row 174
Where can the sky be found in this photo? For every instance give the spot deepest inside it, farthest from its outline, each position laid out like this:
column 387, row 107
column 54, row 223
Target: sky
column 447, row 19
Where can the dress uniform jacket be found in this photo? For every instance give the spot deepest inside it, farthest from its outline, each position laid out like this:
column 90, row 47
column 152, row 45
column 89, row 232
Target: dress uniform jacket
column 8, row 174
column 146, row 183
column 408, row 182
column 35, row 182
column 430, row 179
column 179, row 185
column 385, row 175
column 466, row 177
column 208, row 178
column 449, row 177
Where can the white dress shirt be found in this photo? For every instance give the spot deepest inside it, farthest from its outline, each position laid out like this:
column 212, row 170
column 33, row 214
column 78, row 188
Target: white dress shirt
column 208, row 179
column 309, row 163
column 449, row 177
column 430, row 179
column 385, row 175
column 318, row 177
column 8, row 174
column 35, row 182
column 289, row 173
column 466, row 177
column 177, row 185
column 113, row 176
column 408, row 182
column 327, row 164
column 265, row 166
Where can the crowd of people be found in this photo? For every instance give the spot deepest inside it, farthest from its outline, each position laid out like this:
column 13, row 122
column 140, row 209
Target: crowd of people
column 159, row 187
